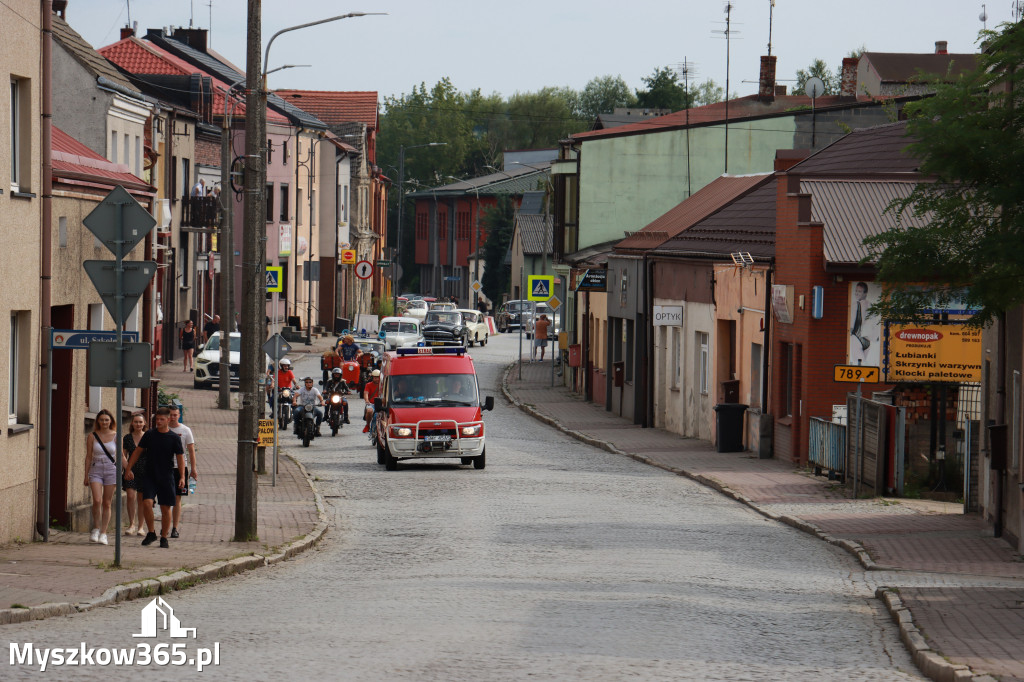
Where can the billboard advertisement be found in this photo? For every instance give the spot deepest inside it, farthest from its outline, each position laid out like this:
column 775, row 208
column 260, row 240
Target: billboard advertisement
column 933, row 352
column 865, row 341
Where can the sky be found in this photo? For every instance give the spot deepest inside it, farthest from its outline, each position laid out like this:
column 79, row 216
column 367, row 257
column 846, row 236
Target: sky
column 525, row 45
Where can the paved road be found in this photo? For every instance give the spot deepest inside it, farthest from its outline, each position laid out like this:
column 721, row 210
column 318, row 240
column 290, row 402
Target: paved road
column 558, row 561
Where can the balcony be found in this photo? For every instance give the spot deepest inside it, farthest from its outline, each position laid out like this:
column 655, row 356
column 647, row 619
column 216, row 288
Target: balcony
column 200, row 212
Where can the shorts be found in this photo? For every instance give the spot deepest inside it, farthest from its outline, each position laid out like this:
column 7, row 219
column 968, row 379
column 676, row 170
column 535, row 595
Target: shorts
column 181, row 491
column 540, row 343
column 159, row 487
column 103, row 471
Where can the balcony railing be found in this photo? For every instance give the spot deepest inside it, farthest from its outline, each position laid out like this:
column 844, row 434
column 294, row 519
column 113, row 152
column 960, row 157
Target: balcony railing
column 200, row 211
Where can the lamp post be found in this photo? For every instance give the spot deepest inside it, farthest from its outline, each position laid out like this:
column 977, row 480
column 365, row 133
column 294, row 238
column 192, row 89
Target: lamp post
column 401, row 213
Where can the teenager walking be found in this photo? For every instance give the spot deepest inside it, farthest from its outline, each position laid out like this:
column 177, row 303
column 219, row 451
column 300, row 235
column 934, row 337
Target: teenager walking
column 131, row 487
column 188, row 439
column 162, row 449
column 101, row 472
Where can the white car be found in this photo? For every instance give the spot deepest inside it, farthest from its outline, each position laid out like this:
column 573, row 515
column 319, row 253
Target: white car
column 208, row 361
column 474, row 321
column 401, row 331
column 541, row 309
column 416, row 308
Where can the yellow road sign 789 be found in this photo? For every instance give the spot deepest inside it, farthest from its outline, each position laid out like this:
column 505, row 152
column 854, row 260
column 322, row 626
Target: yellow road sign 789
column 857, row 373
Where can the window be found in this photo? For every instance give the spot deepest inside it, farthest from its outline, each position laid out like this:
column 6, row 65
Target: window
column 344, row 203
column 270, row 202
column 312, row 207
column 127, row 160
column 462, row 226
column 789, row 385
column 442, row 226
column 16, row 363
column 422, row 226
column 138, row 156
column 62, row 232
column 21, row 148
column 755, row 374
column 113, row 146
column 676, row 355
column 298, row 205
column 284, row 152
column 284, row 203
column 270, row 152
column 703, row 361
column 186, row 177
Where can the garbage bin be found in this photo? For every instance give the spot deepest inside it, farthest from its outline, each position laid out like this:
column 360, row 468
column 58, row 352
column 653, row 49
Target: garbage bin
column 730, row 426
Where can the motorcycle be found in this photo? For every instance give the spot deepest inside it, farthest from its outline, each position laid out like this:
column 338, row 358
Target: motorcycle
column 284, row 407
column 337, row 404
column 367, row 363
column 306, row 425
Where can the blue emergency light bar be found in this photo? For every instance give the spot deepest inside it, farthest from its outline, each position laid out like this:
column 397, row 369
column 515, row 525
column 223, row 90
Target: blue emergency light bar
column 433, row 350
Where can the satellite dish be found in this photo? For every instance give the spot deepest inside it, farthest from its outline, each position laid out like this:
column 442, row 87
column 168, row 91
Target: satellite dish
column 814, row 87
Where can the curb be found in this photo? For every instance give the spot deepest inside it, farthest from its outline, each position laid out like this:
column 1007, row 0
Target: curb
column 179, row 580
column 928, row 661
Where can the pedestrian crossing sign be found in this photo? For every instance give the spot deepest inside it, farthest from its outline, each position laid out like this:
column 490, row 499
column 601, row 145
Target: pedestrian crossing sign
column 540, row 287
column 274, row 279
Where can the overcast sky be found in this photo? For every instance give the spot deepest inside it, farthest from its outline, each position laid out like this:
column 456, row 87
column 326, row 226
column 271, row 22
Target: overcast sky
column 524, row 45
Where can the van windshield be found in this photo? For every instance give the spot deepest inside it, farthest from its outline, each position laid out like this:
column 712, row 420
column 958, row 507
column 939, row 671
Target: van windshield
column 399, row 327
column 433, row 390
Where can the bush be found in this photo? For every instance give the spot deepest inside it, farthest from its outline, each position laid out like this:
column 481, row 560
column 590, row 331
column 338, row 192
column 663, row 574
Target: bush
column 383, row 307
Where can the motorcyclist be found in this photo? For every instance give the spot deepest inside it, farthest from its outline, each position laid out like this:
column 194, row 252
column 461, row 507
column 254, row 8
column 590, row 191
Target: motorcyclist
column 348, row 350
column 370, row 393
column 308, row 397
column 336, row 383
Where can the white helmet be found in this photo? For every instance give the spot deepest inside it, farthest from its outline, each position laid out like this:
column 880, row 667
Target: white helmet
column 286, row 363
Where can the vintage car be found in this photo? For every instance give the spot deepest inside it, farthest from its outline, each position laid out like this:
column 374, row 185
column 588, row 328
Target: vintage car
column 442, row 305
column 474, row 320
column 445, row 328
column 416, row 308
column 510, row 314
column 397, row 332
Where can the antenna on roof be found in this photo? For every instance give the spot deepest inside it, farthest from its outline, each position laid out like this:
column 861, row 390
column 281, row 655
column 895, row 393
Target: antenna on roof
column 983, row 18
column 742, row 259
column 771, row 11
column 685, row 69
column 728, row 40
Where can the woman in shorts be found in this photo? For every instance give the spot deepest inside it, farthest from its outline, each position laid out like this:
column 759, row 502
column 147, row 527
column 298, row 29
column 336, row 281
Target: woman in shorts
column 188, row 346
column 132, row 488
column 101, row 472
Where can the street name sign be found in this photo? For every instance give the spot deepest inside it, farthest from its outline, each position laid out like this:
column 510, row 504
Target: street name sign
column 135, row 278
column 79, row 339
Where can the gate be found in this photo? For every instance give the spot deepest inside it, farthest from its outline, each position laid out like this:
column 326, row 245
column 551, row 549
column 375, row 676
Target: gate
column 875, row 447
column 827, row 448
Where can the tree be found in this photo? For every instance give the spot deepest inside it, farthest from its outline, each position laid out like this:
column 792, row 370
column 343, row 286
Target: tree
column 817, row 69
column 499, row 224
column 707, row 92
column 602, row 95
column 663, row 91
column 960, row 236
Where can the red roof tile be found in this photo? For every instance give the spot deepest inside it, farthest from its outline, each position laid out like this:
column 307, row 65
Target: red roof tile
column 141, row 59
column 336, row 107
column 71, row 158
column 740, row 108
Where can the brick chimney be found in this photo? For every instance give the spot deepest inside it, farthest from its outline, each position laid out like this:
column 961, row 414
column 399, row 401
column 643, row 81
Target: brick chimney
column 940, row 47
column 193, row 37
column 127, row 32
column 766, row 83
column 848, row 79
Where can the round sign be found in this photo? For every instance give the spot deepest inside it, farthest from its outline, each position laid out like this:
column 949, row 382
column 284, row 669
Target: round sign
column 364, row 269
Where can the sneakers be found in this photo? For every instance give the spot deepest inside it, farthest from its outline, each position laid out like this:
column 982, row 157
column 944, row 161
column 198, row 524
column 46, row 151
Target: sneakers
column 174, row 533
column 366, row 429
column 150, row 539
column 103, row 539
column 141, row 530
column 130, row 530
column 94, row 536
column 164, row 544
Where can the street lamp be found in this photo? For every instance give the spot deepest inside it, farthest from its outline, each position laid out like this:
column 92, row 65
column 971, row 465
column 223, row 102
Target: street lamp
column 401, row 214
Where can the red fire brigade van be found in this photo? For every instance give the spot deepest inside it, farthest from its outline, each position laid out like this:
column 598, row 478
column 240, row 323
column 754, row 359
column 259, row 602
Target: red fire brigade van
column 429, row 406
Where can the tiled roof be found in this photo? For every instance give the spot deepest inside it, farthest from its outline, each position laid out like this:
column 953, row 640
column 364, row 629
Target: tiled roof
column 72, row 159
column 336, row 107
column 516, row 181
column 534, row 233
column 851, row 210
column 900, row 67
column 689, row 212
column 142, row 59
column 211, row 65
column 85, row 55
column 744, row 224
column 878, row 149
column 739, row 108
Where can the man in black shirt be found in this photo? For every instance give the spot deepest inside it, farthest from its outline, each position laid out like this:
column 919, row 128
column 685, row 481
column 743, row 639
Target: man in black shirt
column 210, row 328
column 164, row 452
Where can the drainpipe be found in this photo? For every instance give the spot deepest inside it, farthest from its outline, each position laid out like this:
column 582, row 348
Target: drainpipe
column 46, row 265
column 646, row 361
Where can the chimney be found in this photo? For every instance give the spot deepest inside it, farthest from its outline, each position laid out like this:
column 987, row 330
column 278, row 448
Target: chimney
column 940, row 47
column 193, row 37
column 766, row 83
column 60, row 7
column 127, row 32
column 780, row 90
column 848, row 81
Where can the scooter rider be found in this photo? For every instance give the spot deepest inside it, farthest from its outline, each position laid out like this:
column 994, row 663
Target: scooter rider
column 308, row 397
column 336, row 383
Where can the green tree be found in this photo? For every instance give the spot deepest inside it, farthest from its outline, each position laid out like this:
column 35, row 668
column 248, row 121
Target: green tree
column 817, row 69
column 602, row 95
column 960, row 236
column 707, row 92
column 664, row 91
column 499, row 223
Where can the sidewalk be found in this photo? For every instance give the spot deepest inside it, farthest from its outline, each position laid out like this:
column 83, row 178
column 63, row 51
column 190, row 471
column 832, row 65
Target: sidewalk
column 963, row 588
column 69, row 573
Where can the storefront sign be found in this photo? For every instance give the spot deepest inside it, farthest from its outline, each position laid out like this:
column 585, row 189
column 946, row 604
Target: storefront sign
column 668, row 316
column 284, row 243
column 592, row 279
column 782, row 303
column 934, row 352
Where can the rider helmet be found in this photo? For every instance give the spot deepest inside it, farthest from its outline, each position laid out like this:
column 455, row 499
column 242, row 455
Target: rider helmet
column 336, row 372
column 286, row 363
column 375, row 373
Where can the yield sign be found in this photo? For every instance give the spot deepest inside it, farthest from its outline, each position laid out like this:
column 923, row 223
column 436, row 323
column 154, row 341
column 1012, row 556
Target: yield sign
column 119, row 222
column 276, row 347
column 136, row 275
column 364, row 269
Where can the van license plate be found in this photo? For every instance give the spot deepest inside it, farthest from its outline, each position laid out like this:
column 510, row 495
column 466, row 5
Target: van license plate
column 437, row 439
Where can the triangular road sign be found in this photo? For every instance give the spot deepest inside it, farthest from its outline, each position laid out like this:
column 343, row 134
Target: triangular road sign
column 137, row 275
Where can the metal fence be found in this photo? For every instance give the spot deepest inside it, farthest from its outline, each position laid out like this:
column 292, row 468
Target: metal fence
column 827, row 447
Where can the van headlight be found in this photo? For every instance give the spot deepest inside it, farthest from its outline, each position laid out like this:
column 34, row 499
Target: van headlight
column 401, row 432
column 474, row 431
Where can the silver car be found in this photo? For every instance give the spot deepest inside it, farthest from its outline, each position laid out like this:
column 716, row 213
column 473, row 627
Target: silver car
column 401, row 331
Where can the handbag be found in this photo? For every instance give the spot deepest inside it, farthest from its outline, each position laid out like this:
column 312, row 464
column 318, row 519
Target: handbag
column 106, row 452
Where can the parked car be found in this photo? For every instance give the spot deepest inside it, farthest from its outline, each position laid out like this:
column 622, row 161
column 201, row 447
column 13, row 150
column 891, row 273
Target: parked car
column 510, row 314
column 474, row 322
column 401, row 331
column 207, row 369
column 416, row 308
column 445, row 328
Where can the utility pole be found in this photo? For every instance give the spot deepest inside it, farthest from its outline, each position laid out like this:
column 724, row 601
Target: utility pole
column 253, row 282
column 226, row 246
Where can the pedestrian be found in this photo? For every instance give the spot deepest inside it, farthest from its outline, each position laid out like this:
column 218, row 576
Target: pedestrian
column 481, row 305
column 131, row 487
column 187, row 342
column 540, row 334
column 189, row 441
column 211, row 328
column 199, row 189
column 163, row 450
column 101, row 471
